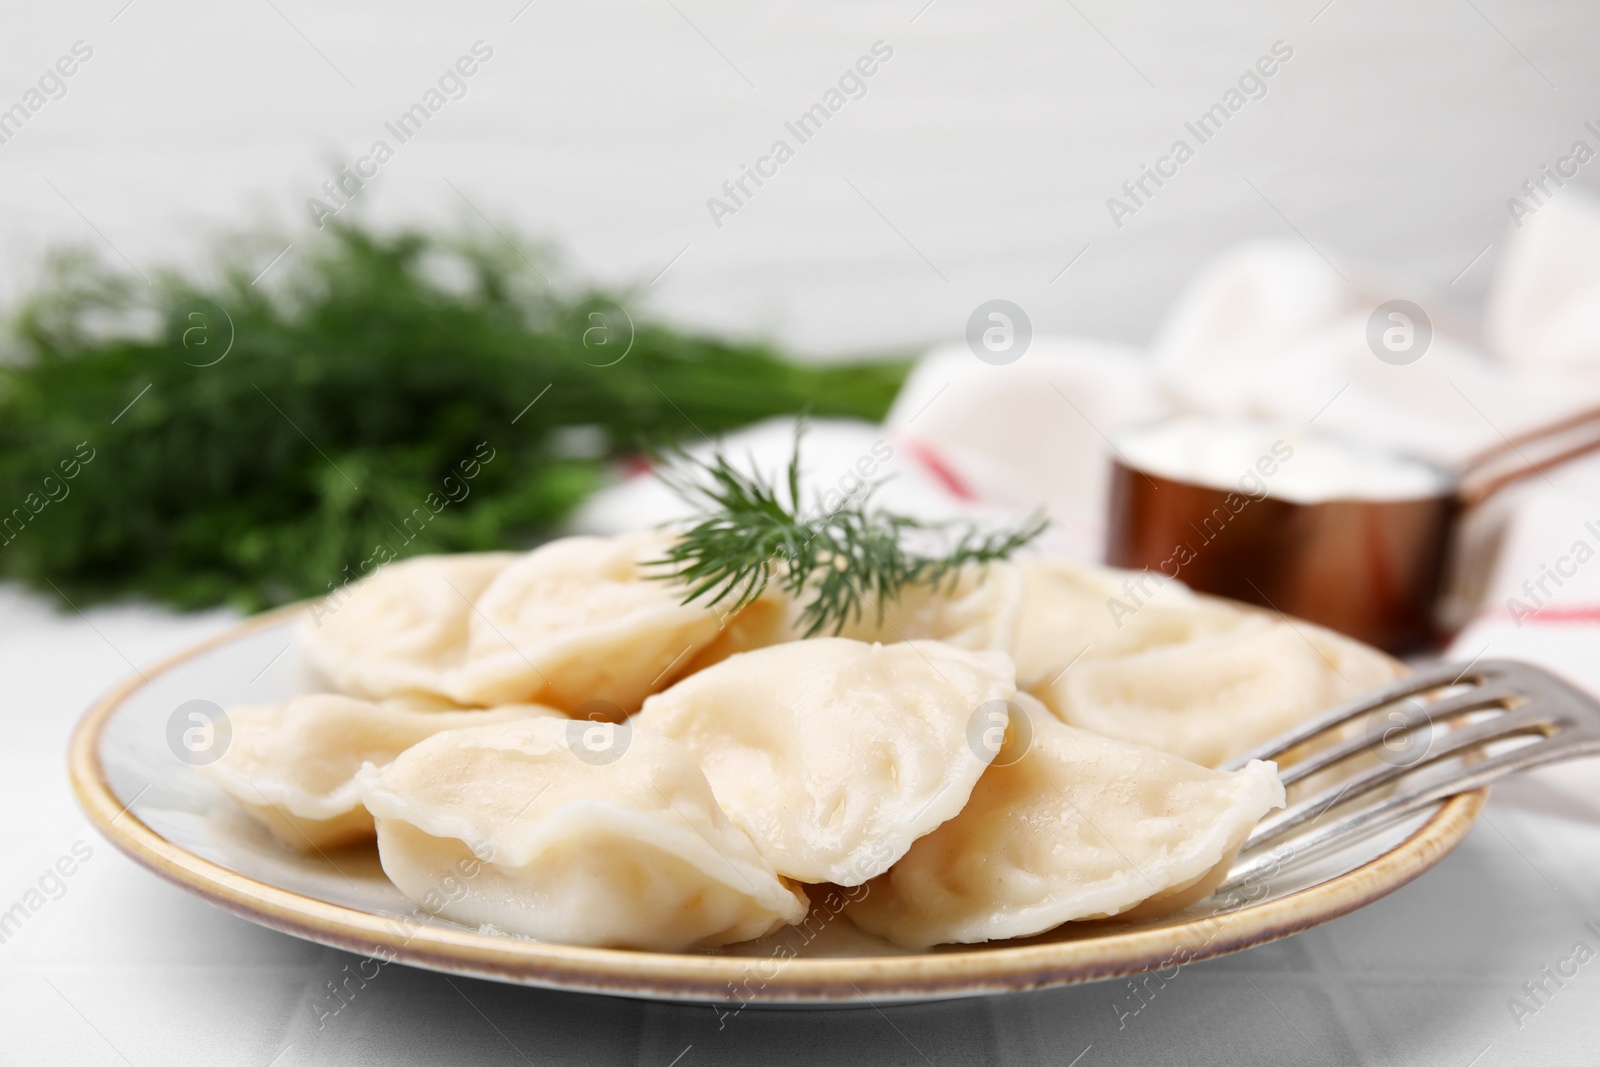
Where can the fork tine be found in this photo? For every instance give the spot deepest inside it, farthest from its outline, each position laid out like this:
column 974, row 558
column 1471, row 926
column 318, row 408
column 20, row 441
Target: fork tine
column 1497, row 693
column 1413, row 684
column 1535, row 701
column 1512, row 724
column 1395, row 808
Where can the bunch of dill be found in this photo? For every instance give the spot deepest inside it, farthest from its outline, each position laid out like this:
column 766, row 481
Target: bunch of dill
column 376, row 396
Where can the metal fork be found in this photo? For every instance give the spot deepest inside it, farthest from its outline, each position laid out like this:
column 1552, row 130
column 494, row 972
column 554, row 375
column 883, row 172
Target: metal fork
column 1483, row 704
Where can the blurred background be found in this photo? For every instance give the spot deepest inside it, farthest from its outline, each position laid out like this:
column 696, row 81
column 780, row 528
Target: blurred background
column 978, row 164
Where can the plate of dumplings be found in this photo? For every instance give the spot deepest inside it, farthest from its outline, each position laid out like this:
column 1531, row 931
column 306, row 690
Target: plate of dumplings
column 552, row 768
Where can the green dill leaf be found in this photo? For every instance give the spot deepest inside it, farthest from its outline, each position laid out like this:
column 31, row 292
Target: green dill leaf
column 838, row 565
column 357, row 379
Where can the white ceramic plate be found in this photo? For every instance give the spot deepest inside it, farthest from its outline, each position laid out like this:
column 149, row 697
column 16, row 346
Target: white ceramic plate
column 159, row 810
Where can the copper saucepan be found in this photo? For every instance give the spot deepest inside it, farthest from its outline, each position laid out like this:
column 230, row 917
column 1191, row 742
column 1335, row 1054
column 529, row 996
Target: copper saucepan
column 1369, row 568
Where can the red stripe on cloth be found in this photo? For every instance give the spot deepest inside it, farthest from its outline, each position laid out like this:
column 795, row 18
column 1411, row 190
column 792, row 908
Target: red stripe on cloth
column 1555, row 616
column 941, row 470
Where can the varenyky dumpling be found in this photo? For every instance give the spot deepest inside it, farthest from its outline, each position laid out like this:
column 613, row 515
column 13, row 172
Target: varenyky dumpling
column 578, row 620
column 1070, row 612
column 292, row 765
column 770, row 619
column 1211, row 699
column 976, row 609
column 835, row 755
column 402, row 629
column 1077, row 826
column 540, row 829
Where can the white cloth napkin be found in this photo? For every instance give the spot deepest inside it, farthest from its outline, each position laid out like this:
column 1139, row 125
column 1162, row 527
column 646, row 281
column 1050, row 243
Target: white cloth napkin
column 1544, row 311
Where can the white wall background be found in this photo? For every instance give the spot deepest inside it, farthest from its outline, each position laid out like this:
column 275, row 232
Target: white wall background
column 981, row 157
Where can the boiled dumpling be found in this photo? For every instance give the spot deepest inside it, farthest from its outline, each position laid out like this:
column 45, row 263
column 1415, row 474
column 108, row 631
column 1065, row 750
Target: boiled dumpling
column 770, row 619
column 832, row 754
column 577, row 832
column 401, row 630
column 976, row 609
column 292, row 765
column 1068, row 825
column 581, row 620
column 1071, row 612
column 1214, row 698
column 1359, row 667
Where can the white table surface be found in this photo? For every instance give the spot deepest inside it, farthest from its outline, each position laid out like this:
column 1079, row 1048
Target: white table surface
column 125, row 968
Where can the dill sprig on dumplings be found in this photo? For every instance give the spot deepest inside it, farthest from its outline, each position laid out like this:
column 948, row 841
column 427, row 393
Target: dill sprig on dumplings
column 750, row 531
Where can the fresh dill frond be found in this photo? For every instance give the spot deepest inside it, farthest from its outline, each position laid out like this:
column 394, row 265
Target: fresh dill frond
column 750, row 531
column 376, row 397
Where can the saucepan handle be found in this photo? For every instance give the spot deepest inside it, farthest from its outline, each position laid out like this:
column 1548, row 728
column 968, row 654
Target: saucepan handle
column 1526, row 454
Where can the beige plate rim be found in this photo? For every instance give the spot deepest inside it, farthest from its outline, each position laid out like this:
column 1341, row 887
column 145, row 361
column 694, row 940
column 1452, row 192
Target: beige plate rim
column 733, row 979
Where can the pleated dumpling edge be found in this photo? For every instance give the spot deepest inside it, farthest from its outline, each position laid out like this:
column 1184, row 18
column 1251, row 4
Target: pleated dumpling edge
column 1077, row 826
column 532, row 829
